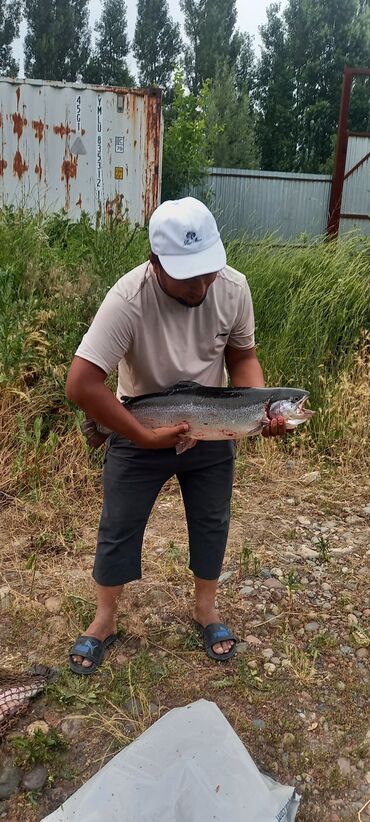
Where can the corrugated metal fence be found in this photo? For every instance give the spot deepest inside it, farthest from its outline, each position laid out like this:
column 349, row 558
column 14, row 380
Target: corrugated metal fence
column 257, row 203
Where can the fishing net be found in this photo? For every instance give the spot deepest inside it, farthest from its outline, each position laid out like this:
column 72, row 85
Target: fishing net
column 18, row 688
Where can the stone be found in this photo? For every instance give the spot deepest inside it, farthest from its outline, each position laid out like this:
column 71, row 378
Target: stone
column 366, row 509
column 304, row 521
column 362, row 653
column 252, row 640
column 248, row 591
column 276, row 572
column 352, row 619
column 344, row 766
column 267, row 653
column 346, row 650
column 225, row 576
column 311, row 477
column 5, row 598
column 265, row 573
column 53, row 605
column 35, row 780
column 276, row 660
column 307, row 553
column 10, row 779
column 273, row 584
column 259, row 724
column 242, row 647
column 341, row 686
column 39, row 725
column 269, row 668
column 290, row 501
column 367, row 777
column 288, row 738
column 325, row 586
column 311, row 627
column 72, row 726
column 366, row 612
column 121, row 659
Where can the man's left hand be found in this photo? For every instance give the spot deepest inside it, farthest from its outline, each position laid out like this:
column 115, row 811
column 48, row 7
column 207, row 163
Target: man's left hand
column 274, row 428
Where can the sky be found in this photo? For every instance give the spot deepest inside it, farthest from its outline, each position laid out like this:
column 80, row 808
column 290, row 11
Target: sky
column 251, row 14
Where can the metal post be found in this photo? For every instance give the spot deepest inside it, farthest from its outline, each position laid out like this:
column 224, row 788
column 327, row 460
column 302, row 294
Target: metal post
column 340, row 157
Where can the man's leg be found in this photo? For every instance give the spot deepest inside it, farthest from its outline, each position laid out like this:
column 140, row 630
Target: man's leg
column 132, row 479
column 206, row 485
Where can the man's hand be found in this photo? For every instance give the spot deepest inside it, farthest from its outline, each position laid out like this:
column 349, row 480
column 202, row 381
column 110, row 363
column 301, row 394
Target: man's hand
column 274, row 428
column 164, row 437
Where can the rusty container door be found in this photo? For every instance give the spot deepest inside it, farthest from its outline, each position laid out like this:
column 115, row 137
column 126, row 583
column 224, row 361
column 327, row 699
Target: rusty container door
column 80, row 149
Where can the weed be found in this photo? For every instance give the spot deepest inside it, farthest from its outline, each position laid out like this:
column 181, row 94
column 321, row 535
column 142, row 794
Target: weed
column 323, row 548
column 174, row 551
column 250, row 677
column 40, row 748
column 248, row 560
column 301, row 664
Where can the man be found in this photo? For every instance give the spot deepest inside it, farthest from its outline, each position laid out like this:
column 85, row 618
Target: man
column 182, row 315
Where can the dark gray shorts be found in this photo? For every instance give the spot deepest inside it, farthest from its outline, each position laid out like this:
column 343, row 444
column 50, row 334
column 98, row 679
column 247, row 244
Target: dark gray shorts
column 132, row 479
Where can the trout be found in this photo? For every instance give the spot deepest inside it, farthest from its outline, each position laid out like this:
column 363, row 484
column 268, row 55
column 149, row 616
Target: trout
column 215, row 413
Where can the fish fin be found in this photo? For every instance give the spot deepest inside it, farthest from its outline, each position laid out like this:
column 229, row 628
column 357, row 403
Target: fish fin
column 185, row 444
column 185, row 384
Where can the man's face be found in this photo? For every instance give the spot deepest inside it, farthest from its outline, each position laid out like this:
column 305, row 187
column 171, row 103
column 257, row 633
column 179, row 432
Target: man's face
column 190, row 292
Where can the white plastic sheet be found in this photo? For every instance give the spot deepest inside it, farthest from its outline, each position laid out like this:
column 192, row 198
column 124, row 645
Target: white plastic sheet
column 190, row 766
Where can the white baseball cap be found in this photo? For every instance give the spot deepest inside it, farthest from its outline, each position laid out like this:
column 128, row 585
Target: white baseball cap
column 184, row 235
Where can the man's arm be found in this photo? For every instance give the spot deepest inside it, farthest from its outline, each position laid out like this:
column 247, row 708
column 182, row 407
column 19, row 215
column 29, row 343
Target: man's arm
column 245, row 372
column 86, row 387
column 244, row 368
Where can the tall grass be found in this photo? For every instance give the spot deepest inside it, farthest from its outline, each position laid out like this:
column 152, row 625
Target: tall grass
column 312, row 309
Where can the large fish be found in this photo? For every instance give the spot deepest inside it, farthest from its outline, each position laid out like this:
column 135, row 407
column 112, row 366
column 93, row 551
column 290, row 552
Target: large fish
column 216, row 413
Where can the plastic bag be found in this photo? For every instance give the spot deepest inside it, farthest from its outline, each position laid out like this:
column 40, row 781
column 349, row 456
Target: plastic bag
column 190, row 766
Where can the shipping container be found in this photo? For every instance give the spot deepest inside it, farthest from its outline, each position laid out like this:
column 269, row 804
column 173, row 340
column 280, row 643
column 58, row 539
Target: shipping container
column 80, row 148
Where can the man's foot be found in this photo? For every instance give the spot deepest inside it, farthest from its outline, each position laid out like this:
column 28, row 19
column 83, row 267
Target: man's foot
column 99, row 628
column 207, row 616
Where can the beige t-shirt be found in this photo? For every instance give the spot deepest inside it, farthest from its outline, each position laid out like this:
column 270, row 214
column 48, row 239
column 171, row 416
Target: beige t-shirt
column 156, row 341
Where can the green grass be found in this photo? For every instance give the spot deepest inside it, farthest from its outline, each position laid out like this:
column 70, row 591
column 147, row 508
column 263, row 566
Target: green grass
column 312, row 307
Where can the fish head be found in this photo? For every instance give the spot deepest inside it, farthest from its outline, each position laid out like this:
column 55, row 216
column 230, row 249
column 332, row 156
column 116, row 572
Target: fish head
column 291, row 405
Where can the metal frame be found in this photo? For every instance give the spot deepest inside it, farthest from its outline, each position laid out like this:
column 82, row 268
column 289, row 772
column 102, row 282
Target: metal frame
column 339, row 175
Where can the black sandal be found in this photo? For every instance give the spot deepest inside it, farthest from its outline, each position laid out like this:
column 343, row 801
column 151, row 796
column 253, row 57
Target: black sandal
column 90, row 648
column 212, row 634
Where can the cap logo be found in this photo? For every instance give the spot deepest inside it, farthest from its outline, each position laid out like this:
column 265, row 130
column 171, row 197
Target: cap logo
column 191, row 237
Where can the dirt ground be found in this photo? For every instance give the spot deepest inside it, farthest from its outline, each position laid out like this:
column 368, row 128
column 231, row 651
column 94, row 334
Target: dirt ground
column 295, row 589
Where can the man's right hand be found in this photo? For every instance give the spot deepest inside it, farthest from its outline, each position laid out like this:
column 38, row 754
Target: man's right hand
column 164, row 437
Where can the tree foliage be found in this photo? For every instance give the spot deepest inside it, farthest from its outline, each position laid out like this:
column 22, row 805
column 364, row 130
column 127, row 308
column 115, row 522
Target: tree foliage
column 213, row 39
column 185, row 147
column 57, row 43
column 304, row 51
column 108, row 65
column 10, row 14
column 230, row 123
column 157, row 43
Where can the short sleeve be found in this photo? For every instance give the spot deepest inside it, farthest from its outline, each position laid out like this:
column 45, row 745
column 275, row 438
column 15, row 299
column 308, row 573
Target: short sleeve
column 242, row 332
column 109, row 337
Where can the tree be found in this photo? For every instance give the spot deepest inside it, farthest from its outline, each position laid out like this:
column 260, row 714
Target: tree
column 57, row 42
column 230, row 123
column 185, row 147
column 157, row 43
column 321, row 39
column 210, row 28
column 10, row 14
column 274, row 95
column 304, row 51
column 108, row 65
column 245, row 66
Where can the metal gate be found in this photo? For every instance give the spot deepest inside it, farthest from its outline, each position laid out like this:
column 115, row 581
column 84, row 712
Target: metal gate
column 350, row 193
column 355, row 209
